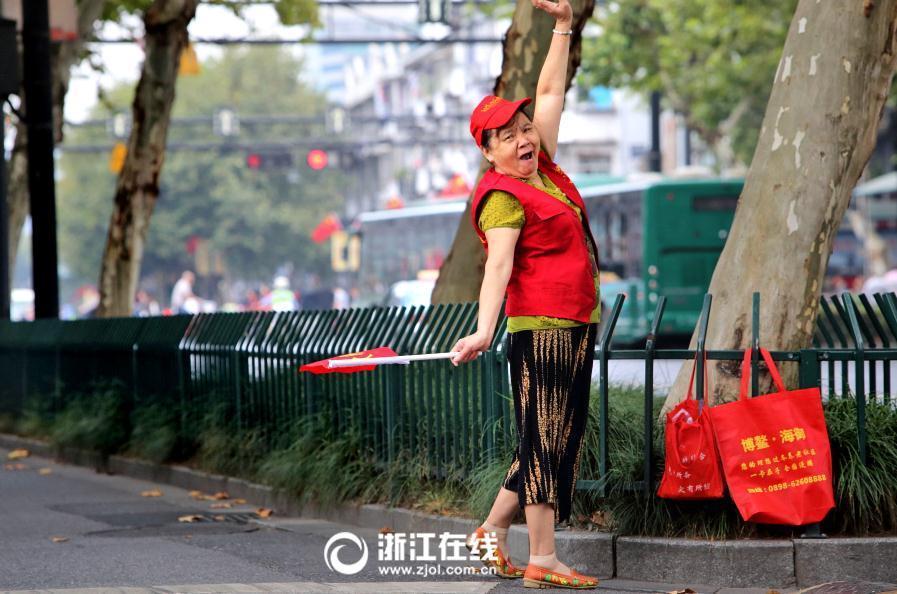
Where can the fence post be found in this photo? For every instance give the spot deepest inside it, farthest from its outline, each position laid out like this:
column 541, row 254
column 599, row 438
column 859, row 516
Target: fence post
column 603, row 408
column 649, row 396
column 755, row 343
column 392, row 400
column 808, row 372
column 859, row 374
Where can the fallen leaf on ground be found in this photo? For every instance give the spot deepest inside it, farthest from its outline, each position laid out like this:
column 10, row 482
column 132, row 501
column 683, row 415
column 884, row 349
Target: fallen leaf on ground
column 221, row 495
column 685, row 591
column 224, row 505
column 190, row 518
column 197, row 495
column 386, row 530
column 239, row 501
column 264, row 512
column 45, row 471
column 16, row 466
column 219, row 518
column 18, row 453
column 59, row 538
column 151, row 493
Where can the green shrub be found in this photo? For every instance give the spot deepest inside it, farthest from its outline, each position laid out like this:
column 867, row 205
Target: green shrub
column 224, row 449
column 865, row 493
column 97, row 421
column 319, row 466
column 154, row 436
column 314, row 464
column 36, row 419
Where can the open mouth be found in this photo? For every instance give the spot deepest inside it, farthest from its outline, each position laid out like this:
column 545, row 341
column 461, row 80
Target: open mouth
column 527, row 156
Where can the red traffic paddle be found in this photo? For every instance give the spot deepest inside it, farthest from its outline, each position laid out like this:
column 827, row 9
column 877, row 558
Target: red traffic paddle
column 368, row 360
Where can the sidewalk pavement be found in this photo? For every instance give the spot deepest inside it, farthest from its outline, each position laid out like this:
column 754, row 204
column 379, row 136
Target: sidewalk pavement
column 113, row 538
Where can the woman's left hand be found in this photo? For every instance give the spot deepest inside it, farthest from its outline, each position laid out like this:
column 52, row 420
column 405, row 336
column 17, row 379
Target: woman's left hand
column 560, row 10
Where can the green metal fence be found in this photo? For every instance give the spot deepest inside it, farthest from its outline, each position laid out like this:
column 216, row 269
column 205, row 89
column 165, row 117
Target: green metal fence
column 247, row 363
column 457, row 416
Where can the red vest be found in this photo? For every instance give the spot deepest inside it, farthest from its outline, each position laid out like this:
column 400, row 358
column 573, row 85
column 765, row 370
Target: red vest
column 552, row 274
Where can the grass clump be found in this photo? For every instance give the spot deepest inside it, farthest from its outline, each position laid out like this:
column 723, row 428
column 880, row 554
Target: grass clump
column 154, row 435
column 865, row 492
column 314, row 463
column 319, row 467
column 221, row 447
column 97, row 420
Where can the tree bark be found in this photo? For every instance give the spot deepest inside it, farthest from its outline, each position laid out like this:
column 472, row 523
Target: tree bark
column 525, row 47
column 138, row 183
column 817, row 136
column 63, row 56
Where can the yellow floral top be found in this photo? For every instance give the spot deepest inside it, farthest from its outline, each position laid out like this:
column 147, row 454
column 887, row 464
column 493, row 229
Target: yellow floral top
column 501, row 209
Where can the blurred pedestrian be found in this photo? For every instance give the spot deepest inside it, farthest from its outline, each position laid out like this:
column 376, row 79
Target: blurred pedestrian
column 182, row 291
column 145, row 305
column 265, row 298
column 340, row 298
column 251, row 303
column 282, row 298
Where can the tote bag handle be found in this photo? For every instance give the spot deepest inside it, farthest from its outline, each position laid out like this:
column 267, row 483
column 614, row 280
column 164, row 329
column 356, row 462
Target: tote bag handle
column 746, row 372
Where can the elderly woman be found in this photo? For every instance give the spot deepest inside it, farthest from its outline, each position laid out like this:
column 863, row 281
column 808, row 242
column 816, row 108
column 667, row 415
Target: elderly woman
column 533, row 224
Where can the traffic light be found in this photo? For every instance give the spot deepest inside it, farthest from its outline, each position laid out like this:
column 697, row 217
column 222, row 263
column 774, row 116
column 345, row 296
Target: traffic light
column 317, row 159
column 269, row 160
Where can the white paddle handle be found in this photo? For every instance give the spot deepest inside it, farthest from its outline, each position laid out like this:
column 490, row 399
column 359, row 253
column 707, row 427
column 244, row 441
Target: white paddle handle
column 399, row 359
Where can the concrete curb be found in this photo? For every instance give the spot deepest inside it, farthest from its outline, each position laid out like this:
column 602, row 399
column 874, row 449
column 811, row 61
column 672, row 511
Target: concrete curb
column 734, row 563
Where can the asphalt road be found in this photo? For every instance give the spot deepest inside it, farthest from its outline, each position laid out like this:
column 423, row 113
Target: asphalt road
column 117, row 538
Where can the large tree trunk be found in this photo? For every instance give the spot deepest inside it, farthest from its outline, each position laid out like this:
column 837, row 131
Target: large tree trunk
column 525, row 47
column 138, row 183
column 817, row 135
column 63, row 56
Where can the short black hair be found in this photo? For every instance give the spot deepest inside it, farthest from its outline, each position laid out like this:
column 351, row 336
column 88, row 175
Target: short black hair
column 487, row 137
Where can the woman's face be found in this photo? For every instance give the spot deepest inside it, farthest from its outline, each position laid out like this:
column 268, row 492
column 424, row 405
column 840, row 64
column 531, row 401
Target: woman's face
column 514, row 148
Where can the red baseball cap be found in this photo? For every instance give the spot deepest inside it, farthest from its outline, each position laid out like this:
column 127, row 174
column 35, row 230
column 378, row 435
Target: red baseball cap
column 493, row 112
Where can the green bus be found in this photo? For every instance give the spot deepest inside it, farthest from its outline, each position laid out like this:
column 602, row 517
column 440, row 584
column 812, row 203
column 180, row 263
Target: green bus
column 656, row 238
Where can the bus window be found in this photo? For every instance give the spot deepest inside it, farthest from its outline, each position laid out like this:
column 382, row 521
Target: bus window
column 714, row 203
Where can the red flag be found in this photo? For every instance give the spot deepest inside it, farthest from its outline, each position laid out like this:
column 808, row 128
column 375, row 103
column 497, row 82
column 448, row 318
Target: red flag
column 327, row 227
column 319, row 367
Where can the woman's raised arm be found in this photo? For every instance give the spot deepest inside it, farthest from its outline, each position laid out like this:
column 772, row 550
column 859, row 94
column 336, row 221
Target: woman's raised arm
column 553, row 78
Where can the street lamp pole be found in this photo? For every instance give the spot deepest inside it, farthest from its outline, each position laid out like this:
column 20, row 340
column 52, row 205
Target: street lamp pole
column 41, row 182
column 9, row 84
column 654, row 157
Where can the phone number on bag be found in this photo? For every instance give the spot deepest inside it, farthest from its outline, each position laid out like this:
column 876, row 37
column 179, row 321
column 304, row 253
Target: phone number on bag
column 807, row 480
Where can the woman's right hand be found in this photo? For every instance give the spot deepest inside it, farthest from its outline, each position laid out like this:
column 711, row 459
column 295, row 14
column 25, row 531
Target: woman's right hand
column 469, row 347
column 559, row 9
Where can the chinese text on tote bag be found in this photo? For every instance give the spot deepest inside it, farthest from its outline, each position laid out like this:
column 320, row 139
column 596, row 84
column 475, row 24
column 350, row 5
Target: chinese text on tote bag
column 691, row 468
column 775, row 452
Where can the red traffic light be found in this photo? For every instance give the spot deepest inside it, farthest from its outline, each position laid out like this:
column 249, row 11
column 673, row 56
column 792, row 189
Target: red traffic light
column 254, row 161
column 317, row 159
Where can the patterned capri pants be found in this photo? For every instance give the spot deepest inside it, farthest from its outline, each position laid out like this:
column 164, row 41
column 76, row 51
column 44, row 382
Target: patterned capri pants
column 551, row 372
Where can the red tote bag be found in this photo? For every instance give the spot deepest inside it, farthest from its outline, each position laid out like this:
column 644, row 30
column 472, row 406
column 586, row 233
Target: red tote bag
column 692, row 468
column 775, row 451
